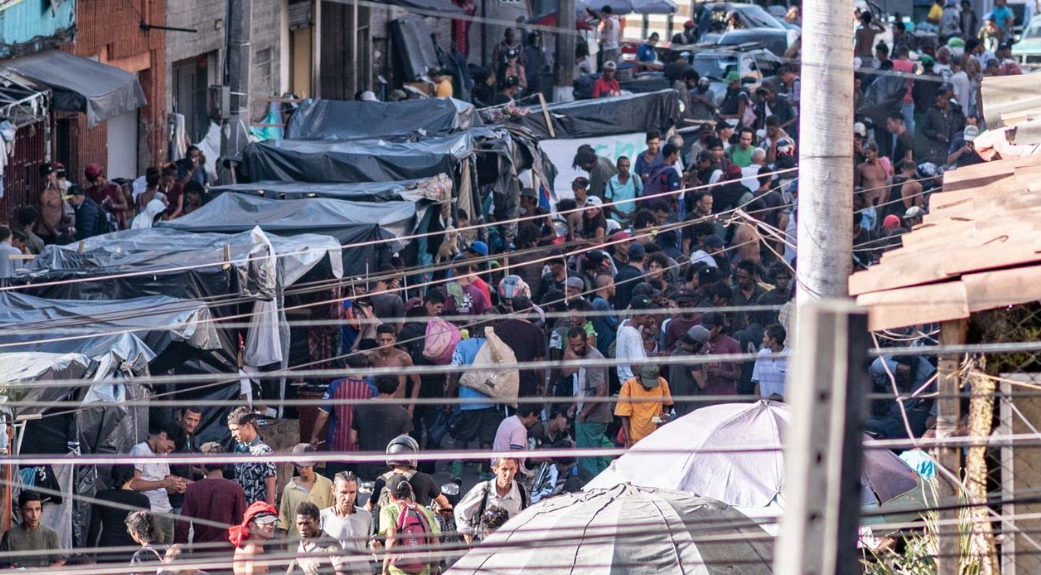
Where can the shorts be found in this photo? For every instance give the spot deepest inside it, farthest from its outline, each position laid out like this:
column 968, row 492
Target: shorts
column 479, row 424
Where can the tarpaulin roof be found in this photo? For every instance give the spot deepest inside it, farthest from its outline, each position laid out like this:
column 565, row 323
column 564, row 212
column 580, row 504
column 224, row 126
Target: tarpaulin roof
column 350, row 120
column 437, row 189
column 90, row 327
column 82, row 85
column 354, row 161
column 605, row 116
column 165, row 250
column 38, row 367
column 348, row 222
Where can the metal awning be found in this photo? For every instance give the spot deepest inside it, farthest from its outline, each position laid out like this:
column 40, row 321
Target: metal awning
column 81, row 85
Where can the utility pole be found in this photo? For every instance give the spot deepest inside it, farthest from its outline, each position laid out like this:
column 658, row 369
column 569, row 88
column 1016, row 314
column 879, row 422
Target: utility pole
column 565, row 64
column 825, row 210
column 948, row 414
column 239, row 74
column 823, row 455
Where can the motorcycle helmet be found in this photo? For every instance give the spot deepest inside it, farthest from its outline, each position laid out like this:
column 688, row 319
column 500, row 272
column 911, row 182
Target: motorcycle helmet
column 399, row 449
column 513, row 285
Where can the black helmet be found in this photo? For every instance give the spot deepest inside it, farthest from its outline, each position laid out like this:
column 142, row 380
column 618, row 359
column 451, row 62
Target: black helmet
column 399, row 449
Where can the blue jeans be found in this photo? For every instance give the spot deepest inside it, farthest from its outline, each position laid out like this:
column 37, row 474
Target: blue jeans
column 907, row 111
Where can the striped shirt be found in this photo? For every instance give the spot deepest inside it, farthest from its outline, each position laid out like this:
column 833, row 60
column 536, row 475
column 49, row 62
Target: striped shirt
column 341, row 414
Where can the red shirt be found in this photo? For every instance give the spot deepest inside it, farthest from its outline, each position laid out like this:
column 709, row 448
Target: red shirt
column 105, row 191
column 906, row 67
column 603, row 88
column 341, row 413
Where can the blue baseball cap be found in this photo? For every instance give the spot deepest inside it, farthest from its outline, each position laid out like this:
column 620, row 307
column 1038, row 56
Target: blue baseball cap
column 478, row 247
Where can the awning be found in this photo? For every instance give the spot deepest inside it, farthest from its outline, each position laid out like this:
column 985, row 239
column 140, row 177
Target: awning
column 82, row 85
column 421, row 7
column 22, row 101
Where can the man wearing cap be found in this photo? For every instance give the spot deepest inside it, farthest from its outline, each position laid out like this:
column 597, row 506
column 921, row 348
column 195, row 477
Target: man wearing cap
column 688, row 379
column 606, row 85
column 307, row 486
column 722, row 374
column 732, row 106
column 1008, row 66
column 600, row 170
column 507, row 91
column 689, row 35
column 891, row 232
column 554, row 280
column 913, row 217
column 105, row 193
column 629, row 339
column 770, row 105
column 53, row 222
column 642, row 404
column 966, row 155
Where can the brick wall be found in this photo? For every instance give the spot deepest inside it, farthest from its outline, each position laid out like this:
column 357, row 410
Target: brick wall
column 109, row 30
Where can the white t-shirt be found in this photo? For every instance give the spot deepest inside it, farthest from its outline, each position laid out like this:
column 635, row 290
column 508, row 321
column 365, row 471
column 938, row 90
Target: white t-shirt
column 157, row 471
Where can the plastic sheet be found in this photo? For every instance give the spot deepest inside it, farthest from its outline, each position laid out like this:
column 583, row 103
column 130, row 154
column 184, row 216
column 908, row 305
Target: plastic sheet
column 605, row 116
column 436, row 189
column 325, row 119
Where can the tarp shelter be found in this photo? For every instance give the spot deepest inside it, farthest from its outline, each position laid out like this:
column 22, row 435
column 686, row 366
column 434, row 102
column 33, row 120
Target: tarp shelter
column 346, row 221
column 351, row 120
column 351, row 161
column 614, row 127
column 437, row 189
column 81, row 85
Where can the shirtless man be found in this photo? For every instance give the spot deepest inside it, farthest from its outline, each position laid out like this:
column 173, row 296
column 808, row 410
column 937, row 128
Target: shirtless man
column 911, row 191
column 871, row 176
column 386, row 355
column 52, row 212
column 747, row 238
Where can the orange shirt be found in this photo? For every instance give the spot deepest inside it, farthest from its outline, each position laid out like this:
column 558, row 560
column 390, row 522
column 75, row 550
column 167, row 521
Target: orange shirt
column 638, row 403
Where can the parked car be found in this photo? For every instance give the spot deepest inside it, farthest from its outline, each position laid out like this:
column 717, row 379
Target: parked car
column 1028, row 50
column 749, row 16
column 753, row 63
column 775, row 40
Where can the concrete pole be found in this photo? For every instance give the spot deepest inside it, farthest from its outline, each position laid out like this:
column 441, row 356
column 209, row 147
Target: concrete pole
column 240, row 73
column 825, row 217
column 565, row 58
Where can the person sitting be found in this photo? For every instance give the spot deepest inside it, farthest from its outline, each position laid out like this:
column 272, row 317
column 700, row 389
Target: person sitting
column 30, row 535
column 606, row 86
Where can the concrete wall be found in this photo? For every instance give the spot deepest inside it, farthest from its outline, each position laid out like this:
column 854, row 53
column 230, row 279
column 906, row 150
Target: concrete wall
column 209, row 17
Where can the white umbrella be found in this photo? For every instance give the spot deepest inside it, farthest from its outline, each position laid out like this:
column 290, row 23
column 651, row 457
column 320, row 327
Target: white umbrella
column 624, row 529
column 734, row 453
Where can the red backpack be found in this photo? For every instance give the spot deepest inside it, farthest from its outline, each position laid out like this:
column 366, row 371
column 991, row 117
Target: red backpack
column 415, row 540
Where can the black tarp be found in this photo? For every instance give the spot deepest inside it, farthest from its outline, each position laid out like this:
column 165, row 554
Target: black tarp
column 438, row 7
column 82, row 85
column 354, row 161
column 352, row 120
column 605, row 116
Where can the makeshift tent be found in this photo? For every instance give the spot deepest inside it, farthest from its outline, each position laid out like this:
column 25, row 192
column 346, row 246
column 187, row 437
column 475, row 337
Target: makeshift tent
column 350, row 120
column 349, row 161
column 614, row 127
column 435, row 189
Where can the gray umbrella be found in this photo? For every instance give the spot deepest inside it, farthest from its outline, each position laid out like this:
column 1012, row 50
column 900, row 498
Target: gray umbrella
column 624, row 529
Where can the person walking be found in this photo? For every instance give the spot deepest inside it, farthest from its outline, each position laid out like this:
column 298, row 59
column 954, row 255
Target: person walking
column 591, row 411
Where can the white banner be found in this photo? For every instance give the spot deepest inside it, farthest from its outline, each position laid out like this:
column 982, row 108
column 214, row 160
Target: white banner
column 562, row 153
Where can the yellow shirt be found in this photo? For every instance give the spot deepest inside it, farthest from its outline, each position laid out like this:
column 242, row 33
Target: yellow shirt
column 633, row 402
column 321, row 495
column 444, row 89
column 935, row 13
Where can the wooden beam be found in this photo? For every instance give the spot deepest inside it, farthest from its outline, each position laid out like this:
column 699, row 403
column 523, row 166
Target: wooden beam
column 948, row 413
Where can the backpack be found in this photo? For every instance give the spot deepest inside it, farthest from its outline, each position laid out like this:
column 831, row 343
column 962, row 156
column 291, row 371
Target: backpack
column 440, row 341
column 414, row 539
column 475, row 521
column 384, row 494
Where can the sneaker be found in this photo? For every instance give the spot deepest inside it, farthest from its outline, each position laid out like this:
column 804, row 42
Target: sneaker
column 457, row 468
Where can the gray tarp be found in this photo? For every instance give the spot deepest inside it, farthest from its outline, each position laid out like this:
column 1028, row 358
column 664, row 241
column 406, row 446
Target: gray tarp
column 605, row 116
column 82, row 85
column 354, row 161
column 437, row 189
column 92, row 328
column 163, row 248
column 350, row 120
